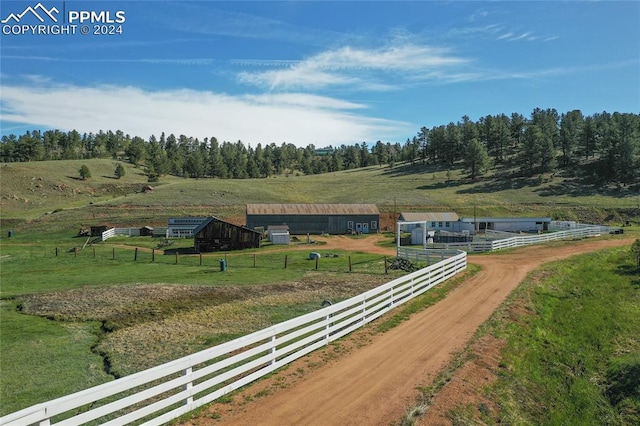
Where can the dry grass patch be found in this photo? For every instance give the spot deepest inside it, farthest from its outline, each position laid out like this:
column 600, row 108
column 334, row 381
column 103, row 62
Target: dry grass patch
column 147, row 325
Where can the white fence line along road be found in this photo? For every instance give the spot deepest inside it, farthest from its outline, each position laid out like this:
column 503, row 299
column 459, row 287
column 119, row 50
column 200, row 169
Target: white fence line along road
column 163, row 393
column 578, row 231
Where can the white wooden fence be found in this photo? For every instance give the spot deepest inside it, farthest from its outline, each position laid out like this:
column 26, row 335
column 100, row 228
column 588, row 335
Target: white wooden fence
column 165, row 392
column 129, row 232
column 579, row 231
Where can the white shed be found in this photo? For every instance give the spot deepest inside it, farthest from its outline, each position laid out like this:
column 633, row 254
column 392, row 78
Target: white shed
column 280, row 238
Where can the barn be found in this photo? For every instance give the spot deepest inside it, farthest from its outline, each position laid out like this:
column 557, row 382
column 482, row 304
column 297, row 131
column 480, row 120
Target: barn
column 332, row 219
column 214, row 234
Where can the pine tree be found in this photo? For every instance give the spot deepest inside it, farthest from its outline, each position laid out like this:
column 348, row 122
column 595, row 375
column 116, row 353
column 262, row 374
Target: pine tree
column 119, row 171
column 84, row 172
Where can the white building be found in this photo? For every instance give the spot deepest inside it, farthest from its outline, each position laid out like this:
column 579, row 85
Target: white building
column 435, row 221
column 182, row 227
column 505, row 224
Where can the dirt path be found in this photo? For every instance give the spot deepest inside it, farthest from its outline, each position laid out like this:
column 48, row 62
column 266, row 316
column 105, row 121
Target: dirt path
column 376, row 383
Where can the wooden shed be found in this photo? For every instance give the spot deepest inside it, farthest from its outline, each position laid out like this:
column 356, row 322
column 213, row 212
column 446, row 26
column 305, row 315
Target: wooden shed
column 214, row 234
column 316, row 218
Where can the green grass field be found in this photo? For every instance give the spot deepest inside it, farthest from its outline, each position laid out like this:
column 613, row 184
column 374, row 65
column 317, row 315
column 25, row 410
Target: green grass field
column 88, row 316
column 571, row 350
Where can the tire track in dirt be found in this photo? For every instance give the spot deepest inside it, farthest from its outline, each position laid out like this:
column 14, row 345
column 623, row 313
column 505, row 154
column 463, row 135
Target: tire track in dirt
column 376, row 384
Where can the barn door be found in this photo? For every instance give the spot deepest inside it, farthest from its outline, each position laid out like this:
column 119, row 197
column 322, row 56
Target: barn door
column 365, row 228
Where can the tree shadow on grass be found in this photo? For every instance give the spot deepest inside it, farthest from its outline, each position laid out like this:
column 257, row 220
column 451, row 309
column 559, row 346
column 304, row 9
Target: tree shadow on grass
column 496, row 185
column 630, row 270
column 582, row 188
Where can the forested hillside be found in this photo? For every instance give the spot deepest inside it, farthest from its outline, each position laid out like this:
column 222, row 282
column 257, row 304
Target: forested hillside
column 600, row 149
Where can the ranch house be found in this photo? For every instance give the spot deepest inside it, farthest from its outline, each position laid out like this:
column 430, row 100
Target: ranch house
column 301, row 219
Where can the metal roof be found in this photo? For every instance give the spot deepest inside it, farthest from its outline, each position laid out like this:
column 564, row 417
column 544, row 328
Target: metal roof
column 312, row 209
column 429, row 217
column 505, row 219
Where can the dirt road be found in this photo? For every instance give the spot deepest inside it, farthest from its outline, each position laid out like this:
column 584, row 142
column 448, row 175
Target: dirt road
column 376, row 383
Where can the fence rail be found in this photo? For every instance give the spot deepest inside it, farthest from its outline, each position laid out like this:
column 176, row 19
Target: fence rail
column 165, row 392
column 576, row 231
column 129, row 232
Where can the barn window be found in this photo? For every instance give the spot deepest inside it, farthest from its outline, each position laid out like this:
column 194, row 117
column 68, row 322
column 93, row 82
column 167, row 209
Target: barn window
column 439, row 224
column 374, row 224
column 433, row 224
column 447, row 224
column 350, row 225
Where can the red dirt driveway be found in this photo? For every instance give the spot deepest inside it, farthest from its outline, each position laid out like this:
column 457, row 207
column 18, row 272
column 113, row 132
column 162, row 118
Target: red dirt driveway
column 375, row 384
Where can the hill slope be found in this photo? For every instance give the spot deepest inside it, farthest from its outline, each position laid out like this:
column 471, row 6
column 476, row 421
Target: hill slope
column 30, row 191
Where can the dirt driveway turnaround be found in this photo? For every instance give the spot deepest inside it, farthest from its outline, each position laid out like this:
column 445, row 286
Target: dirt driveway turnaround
column 374, row 384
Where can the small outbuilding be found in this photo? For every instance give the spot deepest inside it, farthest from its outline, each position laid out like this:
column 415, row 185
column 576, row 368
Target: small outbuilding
column 279, row 234
column 302, row 219
column 96, row 231
column 146, row 231
column 214, row 234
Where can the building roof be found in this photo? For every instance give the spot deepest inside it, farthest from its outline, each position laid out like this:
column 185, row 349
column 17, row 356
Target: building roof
column 312, row 209
column 505, row 219
column 210, row 219
column 429, row 217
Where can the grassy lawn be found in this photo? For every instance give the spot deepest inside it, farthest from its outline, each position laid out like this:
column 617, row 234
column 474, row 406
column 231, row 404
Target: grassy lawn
column 90, row 316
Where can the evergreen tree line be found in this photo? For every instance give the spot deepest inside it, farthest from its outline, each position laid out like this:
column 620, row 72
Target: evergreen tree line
column 603, row 147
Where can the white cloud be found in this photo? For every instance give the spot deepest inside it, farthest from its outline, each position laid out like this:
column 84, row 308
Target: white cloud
column 357, row 68
column 296, row 118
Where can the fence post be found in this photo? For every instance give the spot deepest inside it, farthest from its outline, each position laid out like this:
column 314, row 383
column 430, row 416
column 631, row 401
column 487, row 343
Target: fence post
column 176, row 258
column 386, row 271
column 94, row 252
column 273, row 349
column 254, row 260
column 317, row 258
column 326, row 328
column 135, row 256
column 56, row 251
column 188, row 386
column 200, row 259
column 113, row 254
column 350, row 269
column 286, row 257
column 153, row 255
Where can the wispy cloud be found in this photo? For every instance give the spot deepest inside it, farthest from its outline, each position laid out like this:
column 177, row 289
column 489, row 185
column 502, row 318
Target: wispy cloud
column 296, row 118
column 357, row 67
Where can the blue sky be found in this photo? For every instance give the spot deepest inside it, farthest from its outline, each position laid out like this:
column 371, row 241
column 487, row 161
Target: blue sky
column 322, row 73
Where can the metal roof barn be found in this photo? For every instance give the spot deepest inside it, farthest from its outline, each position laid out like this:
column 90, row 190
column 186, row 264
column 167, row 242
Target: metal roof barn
column 316, row 218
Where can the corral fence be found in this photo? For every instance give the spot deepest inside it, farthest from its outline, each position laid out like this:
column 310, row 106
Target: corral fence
column 165, row 392
column 130, row 232
column 560, row 231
